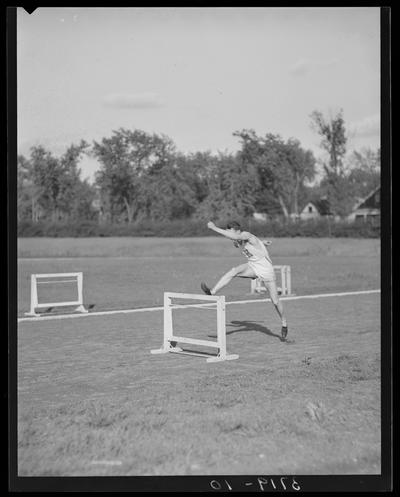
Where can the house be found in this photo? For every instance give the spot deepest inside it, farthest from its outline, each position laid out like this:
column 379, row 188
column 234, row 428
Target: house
column 310, row 211
column 368, row 209
column 260, row 216
column 315, row 210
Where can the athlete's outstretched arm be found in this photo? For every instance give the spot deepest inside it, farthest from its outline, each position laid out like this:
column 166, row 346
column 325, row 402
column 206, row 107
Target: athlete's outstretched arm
column 227, row 233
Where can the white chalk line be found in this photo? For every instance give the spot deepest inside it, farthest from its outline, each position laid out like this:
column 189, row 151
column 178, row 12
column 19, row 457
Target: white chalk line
column 153, row 309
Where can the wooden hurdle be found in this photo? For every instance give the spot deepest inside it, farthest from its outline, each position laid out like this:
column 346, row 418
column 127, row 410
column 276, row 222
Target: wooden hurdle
column 170, row 340
column 36, row 279
column 285, row 281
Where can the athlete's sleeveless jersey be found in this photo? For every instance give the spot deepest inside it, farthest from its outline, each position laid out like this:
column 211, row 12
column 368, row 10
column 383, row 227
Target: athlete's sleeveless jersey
column 256, row 254
column 259, row 260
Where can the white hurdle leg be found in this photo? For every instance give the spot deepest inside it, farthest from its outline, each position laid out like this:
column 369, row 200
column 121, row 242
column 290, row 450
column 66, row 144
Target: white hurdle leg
column 221, row 334
column 289, row 280
column 284, row 285
column 34, row 297
column 286, row 280
column 283, row 279
column 80, row 307
column 167, row 346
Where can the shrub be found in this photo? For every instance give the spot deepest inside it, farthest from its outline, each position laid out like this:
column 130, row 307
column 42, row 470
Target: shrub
column 191, row 228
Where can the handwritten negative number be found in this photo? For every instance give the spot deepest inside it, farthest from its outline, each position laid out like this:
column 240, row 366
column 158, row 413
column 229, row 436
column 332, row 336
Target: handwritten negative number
column 265, row 481
column 262, row 482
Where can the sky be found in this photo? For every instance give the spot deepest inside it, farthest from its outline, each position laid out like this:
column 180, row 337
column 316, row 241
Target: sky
column 196, row 75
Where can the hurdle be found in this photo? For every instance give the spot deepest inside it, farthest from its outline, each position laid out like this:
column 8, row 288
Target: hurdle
column 71, row 277
column 285, row 280
column 170, row 340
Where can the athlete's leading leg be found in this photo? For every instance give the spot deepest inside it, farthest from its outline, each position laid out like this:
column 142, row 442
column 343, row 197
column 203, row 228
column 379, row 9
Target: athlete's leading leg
column 242, row 271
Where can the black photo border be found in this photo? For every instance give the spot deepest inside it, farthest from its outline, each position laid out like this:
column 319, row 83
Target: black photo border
column 215, row 483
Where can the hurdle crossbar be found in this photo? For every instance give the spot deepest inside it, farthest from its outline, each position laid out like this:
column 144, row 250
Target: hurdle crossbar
column 72, row 277
column 285, row 281
column 170, row 340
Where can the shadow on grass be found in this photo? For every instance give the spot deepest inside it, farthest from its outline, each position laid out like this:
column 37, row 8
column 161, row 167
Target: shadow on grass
column 198, row 353
column 242, row 326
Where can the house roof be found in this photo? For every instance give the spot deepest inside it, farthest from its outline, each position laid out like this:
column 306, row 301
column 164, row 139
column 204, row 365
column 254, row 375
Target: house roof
column 322, row 205
column 365, row 199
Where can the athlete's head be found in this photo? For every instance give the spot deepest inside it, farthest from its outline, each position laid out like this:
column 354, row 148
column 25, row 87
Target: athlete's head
column 234, row 226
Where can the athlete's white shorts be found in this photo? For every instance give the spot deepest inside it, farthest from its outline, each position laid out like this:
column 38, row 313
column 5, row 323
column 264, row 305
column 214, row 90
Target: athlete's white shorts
column 263, row 271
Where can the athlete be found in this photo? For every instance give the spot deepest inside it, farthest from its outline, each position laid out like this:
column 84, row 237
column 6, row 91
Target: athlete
column 259, row 265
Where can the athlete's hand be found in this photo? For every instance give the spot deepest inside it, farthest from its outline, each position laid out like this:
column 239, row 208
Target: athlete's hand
column 210, row 225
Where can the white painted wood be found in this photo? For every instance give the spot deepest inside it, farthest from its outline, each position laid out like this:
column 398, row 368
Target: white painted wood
column 221, row 328
column 34, row 294
column 193, row 296
column 256, row 285
column 56, row 275
column 289, row 280
column 56, row 304
column 170, row 340
column 194, row 341
column 167, row 322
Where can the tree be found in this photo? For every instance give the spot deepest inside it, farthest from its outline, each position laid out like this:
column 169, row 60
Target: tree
column 25, row 196
column 232, row 187
column 50, row 187
column 282, row 169
column 301, row 164
column 165, row 193
column 82, row 203
column 334, row 141
column 124, row 158
column 55, row 180
column 366, row 160
column 45, row 173
column 363, row 173
column 200, row 170
column 140, row 177
column 71, row 189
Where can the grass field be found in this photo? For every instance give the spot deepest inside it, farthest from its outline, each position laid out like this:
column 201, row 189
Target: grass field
column 92, row 400
column 134, row 272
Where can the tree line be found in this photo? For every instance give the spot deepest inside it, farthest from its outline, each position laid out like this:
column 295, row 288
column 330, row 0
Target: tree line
column 143, row 176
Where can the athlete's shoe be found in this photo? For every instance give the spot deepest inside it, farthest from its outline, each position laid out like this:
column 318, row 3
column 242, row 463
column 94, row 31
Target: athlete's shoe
column 284, row 332
column 205, row 289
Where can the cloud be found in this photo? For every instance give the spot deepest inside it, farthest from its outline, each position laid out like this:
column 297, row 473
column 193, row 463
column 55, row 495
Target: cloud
column 301, row 67
column 369, row 126
column 132, row 100
column 304, row 66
